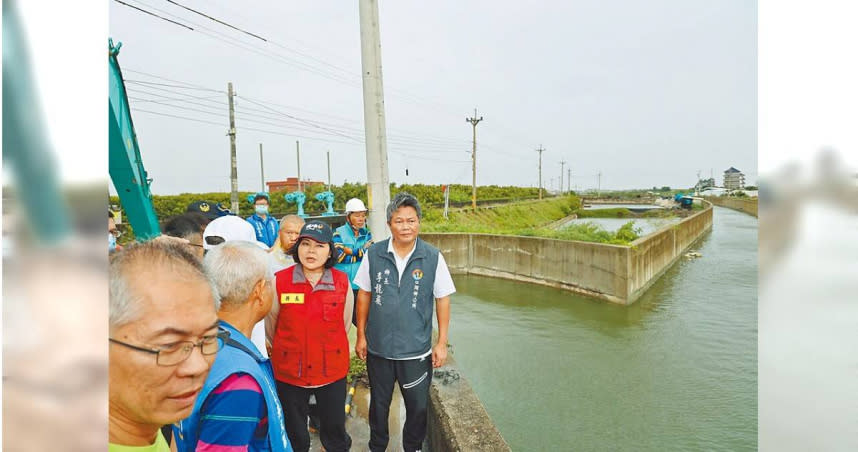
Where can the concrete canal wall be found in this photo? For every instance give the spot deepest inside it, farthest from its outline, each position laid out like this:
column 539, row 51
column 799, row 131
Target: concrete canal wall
column 748, row 206
column 650, row 256
column 618, row 274
column 457, row 420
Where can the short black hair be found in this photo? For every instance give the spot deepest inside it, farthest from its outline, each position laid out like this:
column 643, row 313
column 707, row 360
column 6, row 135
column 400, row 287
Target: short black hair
column 335, row 253
column 184, row 225
column 201, row 219
column 261, row 196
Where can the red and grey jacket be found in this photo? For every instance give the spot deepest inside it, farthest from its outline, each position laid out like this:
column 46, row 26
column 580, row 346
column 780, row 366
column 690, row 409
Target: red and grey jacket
column 310, row 347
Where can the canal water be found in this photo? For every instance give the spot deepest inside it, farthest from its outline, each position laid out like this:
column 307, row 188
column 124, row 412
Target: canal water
column 646, row 225
column 675, row 371
column 624, row 206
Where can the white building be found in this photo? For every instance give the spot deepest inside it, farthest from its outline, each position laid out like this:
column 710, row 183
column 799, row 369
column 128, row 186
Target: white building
column 734, row 179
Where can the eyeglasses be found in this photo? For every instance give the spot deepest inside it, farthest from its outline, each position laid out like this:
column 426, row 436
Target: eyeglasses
column 115, row 232
column 180, row 351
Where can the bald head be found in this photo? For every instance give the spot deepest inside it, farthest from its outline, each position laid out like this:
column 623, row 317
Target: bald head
column 290, row 226
column 143, row 265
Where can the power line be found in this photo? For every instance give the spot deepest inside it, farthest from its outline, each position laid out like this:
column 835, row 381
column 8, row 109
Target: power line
column 243, row 128
column 280, row 123
column 143, row 82
column 439, row 145
column 217, row 20
column 268, row 54
column 153, row 14
column 160, row 77
column 349, row 79
column 296, row 118
column 165, row 98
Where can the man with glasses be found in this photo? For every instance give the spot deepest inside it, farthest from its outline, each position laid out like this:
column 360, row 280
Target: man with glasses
column 238, row 408
column 164, row 336
column 400, row 280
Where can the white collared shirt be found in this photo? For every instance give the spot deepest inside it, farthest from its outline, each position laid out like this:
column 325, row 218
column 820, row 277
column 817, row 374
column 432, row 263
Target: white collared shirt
column 442, row 287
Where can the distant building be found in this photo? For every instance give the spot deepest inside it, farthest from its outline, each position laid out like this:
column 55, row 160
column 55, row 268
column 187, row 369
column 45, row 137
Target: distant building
column 703, row 184
column 713, row 191
column 290, row 184
column 734, row 179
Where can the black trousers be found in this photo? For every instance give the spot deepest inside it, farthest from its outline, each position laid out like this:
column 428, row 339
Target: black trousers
column 331, row 404
column 354, row 308
column 414, row 377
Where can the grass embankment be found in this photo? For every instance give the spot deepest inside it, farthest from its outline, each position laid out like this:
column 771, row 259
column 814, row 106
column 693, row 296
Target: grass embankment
column 530, row 219
column 509, row 219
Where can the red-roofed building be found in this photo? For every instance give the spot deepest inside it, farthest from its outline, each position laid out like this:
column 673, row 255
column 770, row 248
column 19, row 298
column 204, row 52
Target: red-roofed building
column 290, row 184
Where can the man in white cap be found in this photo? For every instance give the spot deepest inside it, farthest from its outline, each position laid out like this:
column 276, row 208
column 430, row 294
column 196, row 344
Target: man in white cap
column 228, row 229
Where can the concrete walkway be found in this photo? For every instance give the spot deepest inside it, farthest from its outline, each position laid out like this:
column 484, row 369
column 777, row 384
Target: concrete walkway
column 357, row 424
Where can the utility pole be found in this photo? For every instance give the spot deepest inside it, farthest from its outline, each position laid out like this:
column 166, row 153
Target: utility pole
column 569, row 179
column 329, row 170
column 298, row 152
column 261, row 168
column 562, row 164
column 375, row 132
column 233, row 175
column 599, row 187
column 540, row 151
column 474, row 121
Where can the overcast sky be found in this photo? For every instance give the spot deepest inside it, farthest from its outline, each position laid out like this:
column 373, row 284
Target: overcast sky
column 647, row 93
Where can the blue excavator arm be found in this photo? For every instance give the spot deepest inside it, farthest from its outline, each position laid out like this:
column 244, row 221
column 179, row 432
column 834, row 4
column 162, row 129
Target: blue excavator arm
column 126, row 166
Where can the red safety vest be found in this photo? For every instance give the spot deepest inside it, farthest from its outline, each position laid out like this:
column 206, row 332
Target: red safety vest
column 310, row 344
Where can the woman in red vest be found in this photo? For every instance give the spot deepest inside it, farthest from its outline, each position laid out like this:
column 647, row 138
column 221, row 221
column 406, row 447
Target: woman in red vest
column 310, row 349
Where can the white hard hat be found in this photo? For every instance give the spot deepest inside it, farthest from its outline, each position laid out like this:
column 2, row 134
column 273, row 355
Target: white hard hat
column 355, row 205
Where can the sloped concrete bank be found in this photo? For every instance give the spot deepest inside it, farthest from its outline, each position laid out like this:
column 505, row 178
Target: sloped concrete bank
column 618, row 274
column 748, row 206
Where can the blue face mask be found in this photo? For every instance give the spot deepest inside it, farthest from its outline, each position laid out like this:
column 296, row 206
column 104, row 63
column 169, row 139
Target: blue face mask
column 111, row 242
column 262, row 209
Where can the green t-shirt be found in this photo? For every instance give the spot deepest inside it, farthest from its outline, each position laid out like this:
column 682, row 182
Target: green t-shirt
column 159, row 446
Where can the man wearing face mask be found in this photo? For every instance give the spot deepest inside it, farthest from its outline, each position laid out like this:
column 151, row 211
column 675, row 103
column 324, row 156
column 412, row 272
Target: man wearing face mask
column 266, row 228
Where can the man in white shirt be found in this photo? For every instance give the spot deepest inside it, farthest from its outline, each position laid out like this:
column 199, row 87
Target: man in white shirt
column 401, row 280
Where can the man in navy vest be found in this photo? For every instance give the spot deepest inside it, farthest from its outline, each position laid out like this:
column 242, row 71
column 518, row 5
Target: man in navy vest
column 401, row 280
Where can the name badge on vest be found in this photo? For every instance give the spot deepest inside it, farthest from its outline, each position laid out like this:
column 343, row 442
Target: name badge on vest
column 291, row 298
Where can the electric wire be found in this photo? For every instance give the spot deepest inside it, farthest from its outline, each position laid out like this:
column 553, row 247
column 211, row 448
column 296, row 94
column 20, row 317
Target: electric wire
column 153, row 14
column 217, row 20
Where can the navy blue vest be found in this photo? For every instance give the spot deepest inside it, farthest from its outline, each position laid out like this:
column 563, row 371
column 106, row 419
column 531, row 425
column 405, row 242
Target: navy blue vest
column 400, row 311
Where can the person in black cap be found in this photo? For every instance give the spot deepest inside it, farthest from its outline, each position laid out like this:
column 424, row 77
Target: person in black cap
column 308, row 333
column 209, row 210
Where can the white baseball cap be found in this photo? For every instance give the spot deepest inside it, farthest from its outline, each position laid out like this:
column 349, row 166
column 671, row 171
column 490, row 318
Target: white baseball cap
column 227, row 229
